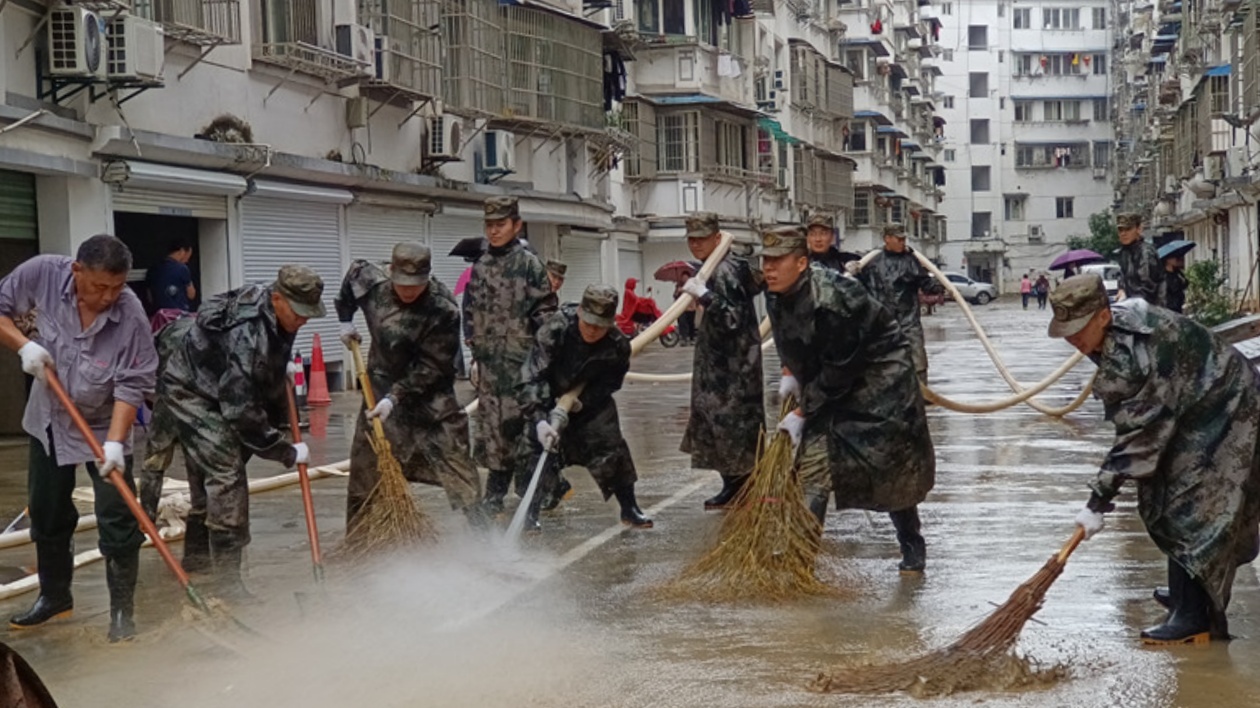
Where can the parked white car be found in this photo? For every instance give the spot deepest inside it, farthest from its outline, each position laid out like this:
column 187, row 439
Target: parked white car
column 971, row 290
column 1110, row 273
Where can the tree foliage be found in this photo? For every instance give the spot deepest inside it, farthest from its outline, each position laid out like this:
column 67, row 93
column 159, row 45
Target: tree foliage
column 1103, row 238
column 1206, row 300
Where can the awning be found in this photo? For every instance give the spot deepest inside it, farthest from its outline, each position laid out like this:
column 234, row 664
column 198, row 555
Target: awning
column 876, row 116
column 889, row 130
column 910, row 145
column 1072, row 97
column 921, row 156
column 700, row 99
column 1222, row 70
column 877, row 46
column 134, row 174
column 776, row 131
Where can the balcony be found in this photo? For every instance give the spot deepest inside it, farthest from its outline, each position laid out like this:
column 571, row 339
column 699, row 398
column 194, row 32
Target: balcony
column 204, row 23
column 409, row 58
column 692, row 68
column 291, row 40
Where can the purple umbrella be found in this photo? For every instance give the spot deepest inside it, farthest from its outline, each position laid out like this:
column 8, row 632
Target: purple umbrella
column 1071, row 258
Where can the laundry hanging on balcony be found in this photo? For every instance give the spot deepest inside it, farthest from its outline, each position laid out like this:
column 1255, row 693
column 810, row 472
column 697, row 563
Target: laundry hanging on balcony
column 727, row 66
column 614, row 79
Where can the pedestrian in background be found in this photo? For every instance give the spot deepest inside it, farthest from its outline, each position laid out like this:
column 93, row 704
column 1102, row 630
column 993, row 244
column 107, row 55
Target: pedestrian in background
column 1025, row 289
column 1042, row 290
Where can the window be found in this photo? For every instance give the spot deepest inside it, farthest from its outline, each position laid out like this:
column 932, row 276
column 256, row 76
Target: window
column 857, row 137
column 765, row 154
column 1072, row 111
column 1066, row 18
column 1024, row 65
column 1063, row 207
column 1053, row 155
column 948, row 155
column 979, row 85
column 1001, row 56
column 1100, row 18
column 1022, row 18
column 1015, row 208
column 980, row 178
column 1001, row 103
column 1101, row 109
column 678, row 142
column 861, row 215
column 979, row 131
column 732, row 149
column 948, row 102
column 978, row 37
column 947, row 8
column 947, row 55
column 639, row 119
column 855, row 61
column 661, row 16
column 981, row 224
column 1102, row 154
column 1001, row 9
column 1061, row 64
column 1023, row 111
column 1218, row 94
column 1052, row 111
column 1100, row 64
column 289, row 21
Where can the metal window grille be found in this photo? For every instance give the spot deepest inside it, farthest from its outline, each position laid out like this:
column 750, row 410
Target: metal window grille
column 1069, row 155
column 1064, row 207
column 1102, row 153
column 860, row 214
column 678, row 142
column 1251, row 61
column 639, row 119
column 555, row 68
column 410, row 41
column 202, row 22
column 473, row 69
column 732, row 147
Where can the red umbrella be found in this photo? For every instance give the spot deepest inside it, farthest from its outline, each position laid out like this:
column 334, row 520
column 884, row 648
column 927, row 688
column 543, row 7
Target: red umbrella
column 674, row 271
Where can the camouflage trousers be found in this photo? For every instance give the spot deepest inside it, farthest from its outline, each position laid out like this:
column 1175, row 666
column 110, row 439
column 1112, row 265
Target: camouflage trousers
column 499, row 420
column 161, row 441
column 430, row 453
column 215, row 460
column 814, row 470
column 591, row 441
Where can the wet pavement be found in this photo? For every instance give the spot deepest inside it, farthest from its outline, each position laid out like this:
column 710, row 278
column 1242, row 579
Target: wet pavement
column 570, row 618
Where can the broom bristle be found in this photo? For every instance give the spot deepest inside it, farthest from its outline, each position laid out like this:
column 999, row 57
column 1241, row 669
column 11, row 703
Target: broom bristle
column 768, row 543
column 390, row 519
column 979, row 657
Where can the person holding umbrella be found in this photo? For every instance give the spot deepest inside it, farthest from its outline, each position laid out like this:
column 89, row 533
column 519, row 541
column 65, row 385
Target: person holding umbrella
column 1141, row 274
column 1172, row 256
column 94, row 334
column 678, row 273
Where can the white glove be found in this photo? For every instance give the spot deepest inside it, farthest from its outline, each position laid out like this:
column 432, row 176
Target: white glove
column 548, row 436
column 114, row 459
column 789, row 386
column 1091, row 521
column 853, row 267
column 34, row 359
column 303, row 453
column 291, row 370
column 474, row 374
column 793, row 424
column 349, row 334
column 695, row 288
column 383, row 409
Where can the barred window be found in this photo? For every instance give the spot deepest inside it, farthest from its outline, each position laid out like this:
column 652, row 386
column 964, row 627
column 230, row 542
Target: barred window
column 678, row 142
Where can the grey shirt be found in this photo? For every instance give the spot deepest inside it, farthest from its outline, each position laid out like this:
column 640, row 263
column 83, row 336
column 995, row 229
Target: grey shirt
column 114, row 359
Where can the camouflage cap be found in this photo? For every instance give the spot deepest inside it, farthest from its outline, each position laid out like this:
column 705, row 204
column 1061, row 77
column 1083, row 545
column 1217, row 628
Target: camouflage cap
column 410, row 264
column 823, row 220
column 782, row 241
column 1075, row 302
column 599, row 306
column 502, row 208
column 702, row 224
column 303, row 288
column 898, row 230
column 557, row 268
column 1128, row 220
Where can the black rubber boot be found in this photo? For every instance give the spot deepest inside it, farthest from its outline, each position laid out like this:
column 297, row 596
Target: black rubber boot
column 1190, row 620
column 227, row 556
column 56, row 568
column 913, row 547
column 630, row 513
column 562, row 490
column 497, row 483
column 1162, row 596
column 196, row 545
column 121, row 572
column 724, row 498
column 818, row 505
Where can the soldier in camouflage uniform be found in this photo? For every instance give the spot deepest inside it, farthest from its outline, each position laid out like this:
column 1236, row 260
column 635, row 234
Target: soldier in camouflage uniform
column 224, row 385
column 895, row 277
column 580, row 346
column 414, row 324
column 860, row 427
column 1141, row 274
column 555, row 275
column 821, row 235
column 1186, row 410
column 562, row 489
column 507, row 300
column 727, row 403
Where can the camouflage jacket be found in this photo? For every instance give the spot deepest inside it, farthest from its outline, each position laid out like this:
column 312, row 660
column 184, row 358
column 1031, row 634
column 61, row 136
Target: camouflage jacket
column 561, row 359
column 414, row 345
column 507, row 299
column 235, row 353
column 858, row 385
column 727, row 404
column 895, row 280
column 1186, row 410
column 833, row 258
column 1141, row 275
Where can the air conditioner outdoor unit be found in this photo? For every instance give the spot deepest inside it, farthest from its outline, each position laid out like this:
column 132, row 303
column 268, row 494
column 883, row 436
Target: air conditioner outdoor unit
column 778, row 79
column 443, row 139
column 1100, row 173
column 1035, row 234
column 359, row 43
column 500, row 151
column 137, row 49
column 76, row 43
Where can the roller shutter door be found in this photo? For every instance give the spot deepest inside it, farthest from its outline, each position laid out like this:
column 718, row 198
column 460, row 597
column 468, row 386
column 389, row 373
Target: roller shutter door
column 582, row 255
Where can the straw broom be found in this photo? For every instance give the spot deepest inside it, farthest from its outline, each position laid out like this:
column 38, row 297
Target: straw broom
column 389, row 519
column 974, row 660
column 769, row 540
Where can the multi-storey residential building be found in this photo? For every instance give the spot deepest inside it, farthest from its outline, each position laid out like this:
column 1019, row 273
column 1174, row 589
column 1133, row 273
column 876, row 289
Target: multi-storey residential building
column 1188, row 80
column 1027, row 93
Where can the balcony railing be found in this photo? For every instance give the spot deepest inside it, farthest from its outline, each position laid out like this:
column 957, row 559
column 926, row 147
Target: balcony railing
column 199, row 22
column 291, row 40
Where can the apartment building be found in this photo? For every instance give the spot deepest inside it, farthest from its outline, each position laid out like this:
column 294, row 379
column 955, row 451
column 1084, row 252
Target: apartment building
column 1028, row 96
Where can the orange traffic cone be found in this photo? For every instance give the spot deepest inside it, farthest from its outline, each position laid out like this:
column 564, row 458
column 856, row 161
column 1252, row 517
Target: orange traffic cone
column 317, row 389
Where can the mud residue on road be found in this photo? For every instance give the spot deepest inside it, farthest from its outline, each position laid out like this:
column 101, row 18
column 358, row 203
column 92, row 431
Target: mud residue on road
column 1003, row 672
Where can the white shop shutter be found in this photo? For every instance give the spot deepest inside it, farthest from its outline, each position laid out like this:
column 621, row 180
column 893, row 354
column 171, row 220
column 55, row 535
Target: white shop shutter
column 447, row 229
column 152, row 201
column 373, row 232
column 630, row 262
column 582, row 256
column 276, row 232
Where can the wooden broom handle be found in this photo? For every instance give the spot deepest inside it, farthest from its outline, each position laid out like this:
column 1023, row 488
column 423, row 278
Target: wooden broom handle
column 1071, row 544
column 365, row 383
column 304, row 480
